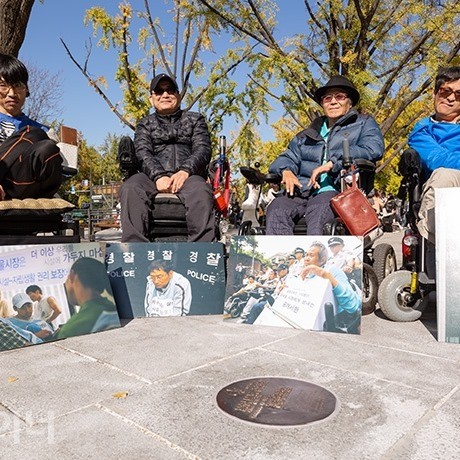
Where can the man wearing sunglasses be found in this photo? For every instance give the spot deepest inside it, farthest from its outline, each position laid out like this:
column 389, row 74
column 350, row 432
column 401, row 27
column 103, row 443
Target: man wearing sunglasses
column 310, row 167
column 173, row 148
column 437, row 141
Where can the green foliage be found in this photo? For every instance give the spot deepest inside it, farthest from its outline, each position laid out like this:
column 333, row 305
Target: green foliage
column 95, row 167
column 390, row 50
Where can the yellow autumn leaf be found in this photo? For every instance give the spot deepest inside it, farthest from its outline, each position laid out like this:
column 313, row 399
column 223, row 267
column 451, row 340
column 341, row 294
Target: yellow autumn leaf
column 120, row 395
column 11, row 379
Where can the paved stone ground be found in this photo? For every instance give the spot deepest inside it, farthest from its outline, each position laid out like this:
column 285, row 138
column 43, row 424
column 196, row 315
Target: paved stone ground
column 148, row 390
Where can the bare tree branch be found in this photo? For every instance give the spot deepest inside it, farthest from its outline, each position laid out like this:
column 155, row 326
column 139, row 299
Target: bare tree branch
column 215, row 80
column 156, row 37
column 274, row 96
column 97, row 88
column 234, row 25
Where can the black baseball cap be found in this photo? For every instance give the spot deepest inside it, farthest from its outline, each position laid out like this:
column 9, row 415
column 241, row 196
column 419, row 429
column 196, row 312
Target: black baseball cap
column 281, row 267
column 159, row 77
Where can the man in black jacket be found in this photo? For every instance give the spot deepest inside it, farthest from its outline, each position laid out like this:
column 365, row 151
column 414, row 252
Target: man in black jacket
column 173, row 148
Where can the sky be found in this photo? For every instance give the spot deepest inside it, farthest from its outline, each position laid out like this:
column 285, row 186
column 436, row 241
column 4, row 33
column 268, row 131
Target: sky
column 82, row 108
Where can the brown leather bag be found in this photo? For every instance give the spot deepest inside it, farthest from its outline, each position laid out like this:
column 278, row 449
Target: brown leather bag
column 355, row 210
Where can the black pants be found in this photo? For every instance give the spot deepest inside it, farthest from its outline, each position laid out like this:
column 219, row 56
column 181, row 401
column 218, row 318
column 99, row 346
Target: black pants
column 136, row 198
column 30, row 165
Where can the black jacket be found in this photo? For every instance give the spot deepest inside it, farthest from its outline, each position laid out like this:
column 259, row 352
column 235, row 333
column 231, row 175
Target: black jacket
column 166, row 144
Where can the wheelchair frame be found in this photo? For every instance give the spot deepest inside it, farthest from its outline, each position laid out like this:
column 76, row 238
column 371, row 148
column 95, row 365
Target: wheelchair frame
column 405, row 294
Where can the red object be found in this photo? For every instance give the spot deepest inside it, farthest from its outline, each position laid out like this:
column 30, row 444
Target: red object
column 222, row 191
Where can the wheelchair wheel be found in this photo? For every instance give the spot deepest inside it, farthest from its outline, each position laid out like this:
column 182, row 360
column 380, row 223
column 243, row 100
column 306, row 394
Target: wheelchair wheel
column 384, row 261
column 395, row 299
column 370, row 289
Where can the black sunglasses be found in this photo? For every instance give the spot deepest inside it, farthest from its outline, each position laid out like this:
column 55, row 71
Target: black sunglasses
column 160, row 91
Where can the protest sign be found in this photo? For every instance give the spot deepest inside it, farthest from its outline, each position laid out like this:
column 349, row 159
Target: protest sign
column 447, row 265
column 50, row 292
column 166, row 279
column 304, row 282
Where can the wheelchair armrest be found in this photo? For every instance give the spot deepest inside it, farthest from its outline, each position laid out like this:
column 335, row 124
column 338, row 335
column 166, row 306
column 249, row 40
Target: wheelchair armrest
column 252, row 175
column 68, row 171
column 365, row 165
column 273, row 178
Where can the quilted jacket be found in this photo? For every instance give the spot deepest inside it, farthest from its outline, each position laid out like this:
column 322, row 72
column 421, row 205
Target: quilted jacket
column 166, row 144
column 305, row 151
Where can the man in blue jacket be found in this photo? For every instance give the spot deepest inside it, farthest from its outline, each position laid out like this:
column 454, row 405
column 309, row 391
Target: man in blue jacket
column 437, row 141
column 310, row 167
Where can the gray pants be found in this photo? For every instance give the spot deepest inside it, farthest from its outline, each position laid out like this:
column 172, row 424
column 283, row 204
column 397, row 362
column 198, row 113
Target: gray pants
column 137, row 195
column 440, row 178
column 283, row 211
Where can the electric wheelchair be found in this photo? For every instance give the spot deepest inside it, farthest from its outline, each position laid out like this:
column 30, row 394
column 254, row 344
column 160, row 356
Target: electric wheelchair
column 379, row 261
column 405, row 294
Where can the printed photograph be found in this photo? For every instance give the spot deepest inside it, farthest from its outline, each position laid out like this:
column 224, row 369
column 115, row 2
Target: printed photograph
column 166, row 279
column 51, row 292
column 303, row 282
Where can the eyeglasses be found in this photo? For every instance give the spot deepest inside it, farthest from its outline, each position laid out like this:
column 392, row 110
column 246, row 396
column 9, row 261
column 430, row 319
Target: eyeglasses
column 16, row 87
column 446, row 92
column 339, row 97
column 160, row 91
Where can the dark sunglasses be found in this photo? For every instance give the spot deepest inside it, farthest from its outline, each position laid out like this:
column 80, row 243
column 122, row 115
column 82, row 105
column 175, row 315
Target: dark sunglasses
column 446, row 92
column 160, row 91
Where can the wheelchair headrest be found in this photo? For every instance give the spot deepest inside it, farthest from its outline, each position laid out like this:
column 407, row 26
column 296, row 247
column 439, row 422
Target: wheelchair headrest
column 409, row 163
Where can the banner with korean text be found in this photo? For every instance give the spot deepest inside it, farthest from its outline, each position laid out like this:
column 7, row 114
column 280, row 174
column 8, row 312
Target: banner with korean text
column 51, row 292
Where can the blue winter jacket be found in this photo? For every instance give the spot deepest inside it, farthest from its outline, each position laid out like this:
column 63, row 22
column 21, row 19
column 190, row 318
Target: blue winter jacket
column 437, row 143
column 305, row 151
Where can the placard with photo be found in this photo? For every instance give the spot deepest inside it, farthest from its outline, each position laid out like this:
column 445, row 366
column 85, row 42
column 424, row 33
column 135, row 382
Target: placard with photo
column 51, row 292
column 166, row 279
column 303, row 282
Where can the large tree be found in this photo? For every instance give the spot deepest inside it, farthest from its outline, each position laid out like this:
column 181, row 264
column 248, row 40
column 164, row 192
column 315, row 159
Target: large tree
column 14, row 17
column 146, row 45
column 389, row 48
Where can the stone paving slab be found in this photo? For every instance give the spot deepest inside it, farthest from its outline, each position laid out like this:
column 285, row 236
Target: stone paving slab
column 398, row 390
column 89, row 433
column 161, row 347
column 373, row 413
column 51, row 381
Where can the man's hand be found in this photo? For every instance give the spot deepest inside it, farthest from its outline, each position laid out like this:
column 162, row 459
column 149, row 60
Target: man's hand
column 318, row 271
column 43, row 334
column 177, row 180
column 290, row 181
column 163, row 184
column 317, row 172
column 2, row 193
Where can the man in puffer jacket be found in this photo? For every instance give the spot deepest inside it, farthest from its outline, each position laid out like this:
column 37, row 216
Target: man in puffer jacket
column 310, row 167
column 173, row 148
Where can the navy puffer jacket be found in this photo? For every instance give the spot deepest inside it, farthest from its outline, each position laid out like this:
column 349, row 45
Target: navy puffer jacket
column 305, row 151
column 166, row 144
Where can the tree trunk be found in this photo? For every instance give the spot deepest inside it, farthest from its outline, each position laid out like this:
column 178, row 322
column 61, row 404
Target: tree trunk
column 14, row 16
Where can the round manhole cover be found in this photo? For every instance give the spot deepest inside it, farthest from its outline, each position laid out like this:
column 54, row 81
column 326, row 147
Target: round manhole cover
column 277, row 401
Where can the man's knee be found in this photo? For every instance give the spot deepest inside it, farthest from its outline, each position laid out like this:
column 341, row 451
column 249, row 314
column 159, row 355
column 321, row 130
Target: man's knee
column 138, row 184
column 444, row 177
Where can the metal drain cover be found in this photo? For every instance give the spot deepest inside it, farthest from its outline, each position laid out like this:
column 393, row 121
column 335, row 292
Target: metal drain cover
column 277, row 401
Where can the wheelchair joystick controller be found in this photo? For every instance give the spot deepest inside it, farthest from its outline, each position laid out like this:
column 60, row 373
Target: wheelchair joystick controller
column 346, row 157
